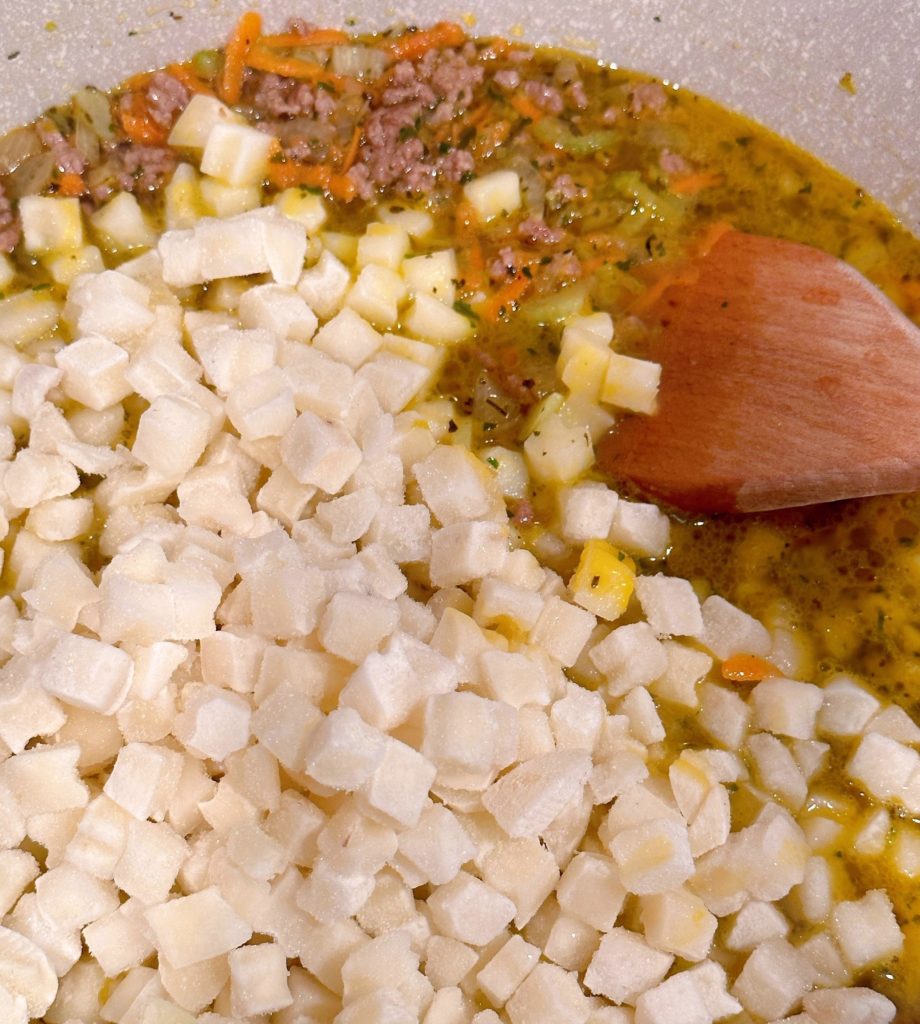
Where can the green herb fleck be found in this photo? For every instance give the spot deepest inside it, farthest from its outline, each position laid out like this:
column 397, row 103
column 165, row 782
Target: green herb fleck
column 744, row 140
column 624, row 265
column 488, row 425
column 492, row 461
column 805, row 189
column 465, row 309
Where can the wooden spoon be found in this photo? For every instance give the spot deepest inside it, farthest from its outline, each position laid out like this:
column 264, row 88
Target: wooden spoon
column 787, row 379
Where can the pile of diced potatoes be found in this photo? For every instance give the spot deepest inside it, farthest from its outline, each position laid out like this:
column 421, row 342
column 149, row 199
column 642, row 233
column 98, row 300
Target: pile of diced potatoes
column 294, row 728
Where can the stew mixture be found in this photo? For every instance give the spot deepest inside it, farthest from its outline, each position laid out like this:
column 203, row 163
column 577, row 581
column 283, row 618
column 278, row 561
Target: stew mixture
column 621, row 179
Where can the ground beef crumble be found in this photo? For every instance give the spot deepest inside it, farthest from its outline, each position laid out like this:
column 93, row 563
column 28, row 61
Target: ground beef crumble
column 167, row 97
column 9, row 224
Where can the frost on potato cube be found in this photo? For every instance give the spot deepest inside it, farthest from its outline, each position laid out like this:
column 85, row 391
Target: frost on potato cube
column 847, row 708
column 330, row 895
column 193, row 928
column 587, row 512
column 754, row 923
column 262, row 406
column 885, row 767
column 515, row 678
column 214, row 722
column 320, row 453
column 832, row 1006
column 686, row 667
column 94, row 372
column 110, row 304
column 465, row 552
column 69, row 898
column 724, row 715
column 786, row 707
column 670, row 605
column 398, row 789
column 470, row 911
column 625, row 966
column 354, row 625
column 324, row 287
column 44, row 779
column 278, row 309
column 286, row 601
column 526, row 800
column 384, row 962
column 88, row 674
column 562, row 630
column 867, row 930
column 435, row 849
column 26, row 975
column 468, row 733
column 590, row 890
column 457, row 487
column 523, row 870
column 549, row 993
column 629, row 656
column 776, row 770
column 258, row 980
column 773, row 980
column 653, row 857
column 150, row 861
column 727, row 630
column 144, row 779
column 119, row 940
column 171, row 435
column 503, row 974
column 640, row 529
column 343, row 752
column 447, row 961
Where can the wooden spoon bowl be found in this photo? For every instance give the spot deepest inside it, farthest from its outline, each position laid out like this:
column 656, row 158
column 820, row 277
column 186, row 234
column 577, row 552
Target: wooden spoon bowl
column 787, row 379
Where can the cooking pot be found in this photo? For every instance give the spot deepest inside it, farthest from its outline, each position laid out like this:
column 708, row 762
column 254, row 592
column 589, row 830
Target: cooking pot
column 839, row 77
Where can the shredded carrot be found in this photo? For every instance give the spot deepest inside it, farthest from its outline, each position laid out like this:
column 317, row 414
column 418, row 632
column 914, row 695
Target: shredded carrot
column 137, row 122
column 713, row 233
column 290, row 174
column 525, row 106
column 351, row 153
column 246, row 32
column 685, row 275
column 71, row 184
column 499, row 45
column 690, row 184
column 290, row 67
column 413, row 45
column 505, row 298
column 470, row 247
column 189, row 79
column 136, row 82
column 748, row 668
column 319, row 37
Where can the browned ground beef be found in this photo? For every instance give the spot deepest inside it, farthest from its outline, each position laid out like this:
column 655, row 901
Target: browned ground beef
column 67, row 158
column 144, row 168
column 167, row 97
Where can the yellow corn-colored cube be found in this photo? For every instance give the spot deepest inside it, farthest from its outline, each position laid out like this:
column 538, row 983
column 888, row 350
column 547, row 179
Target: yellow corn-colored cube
column 584, row 369
column 50, row 223
column 604, row 580
column 183, row 198
column 305, row 207
column 64, row 267
column 220, row 200
column 631, row 383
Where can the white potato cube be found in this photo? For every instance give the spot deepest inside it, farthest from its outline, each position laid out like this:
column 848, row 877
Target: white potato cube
column 121, row 226
column 786, row 707
column 503, row 974
column 847, row 708
column 144, row 779
column 262, row 406
column 515, row 678
column 773, row 980
column 348, row 338
column 343, row 752
column 641, row 529
column 653, row 857
column 89, row 674
column 44, row 779
column 885, row 767
column 434, row 274
column 433, row 320
column 111, row 304
column 353, row 625
column 435, row 849
column 526, row 800
column 631, row 383
column 467, row 551
column 320, row 453
column 237, row 154
column 398, row 789
column 325, row 285
column 629, row 656
column 559, row 452
column 724, row 715
column 456, row 487
column 494, row 195
column 829, row 1006
column 727, row 630
column 562, row 630
column 94, row 371
column 625, row 966
column 200, row 116
column 150, row 861
column 468, row 733
column 866, row 930
column 447, row 961
column 678, row 922
column 670, row 605
column 590, row 890
column 470, row 911
column 377, row 294
column 214, row 722
column 171, row 435
column 586, row 512
column 198, row 927
column 278, row 309
column 306, row 207
column 526, row 872
column 118, row 941
column 50, row 223
column 686, row 666
column 258, row 980
column 382, row 244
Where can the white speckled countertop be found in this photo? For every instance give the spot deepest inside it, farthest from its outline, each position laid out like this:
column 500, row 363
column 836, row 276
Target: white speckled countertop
column 780, row 62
